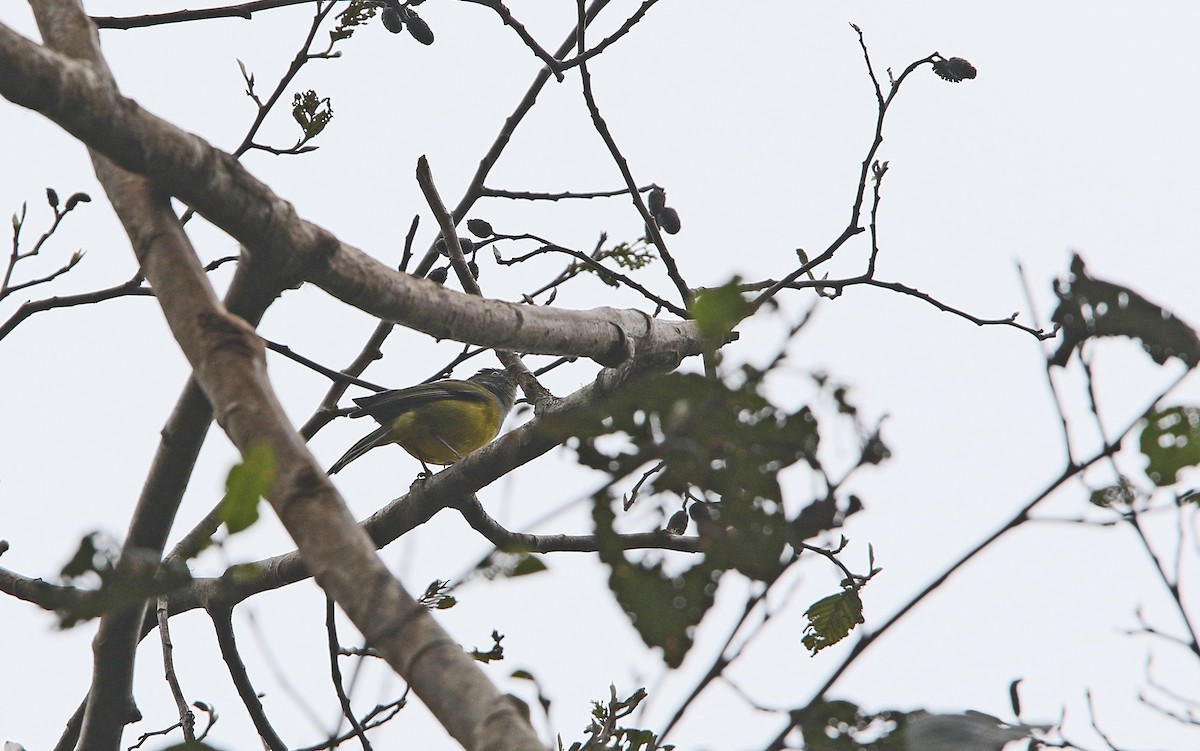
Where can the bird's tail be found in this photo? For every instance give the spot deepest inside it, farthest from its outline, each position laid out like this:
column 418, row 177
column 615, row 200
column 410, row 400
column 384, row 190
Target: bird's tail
column 376, row 438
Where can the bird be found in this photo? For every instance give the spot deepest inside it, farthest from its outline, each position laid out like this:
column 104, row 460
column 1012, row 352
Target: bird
column 438, row 422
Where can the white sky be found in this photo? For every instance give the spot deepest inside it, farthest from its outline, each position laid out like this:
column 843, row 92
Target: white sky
column 1078, row 134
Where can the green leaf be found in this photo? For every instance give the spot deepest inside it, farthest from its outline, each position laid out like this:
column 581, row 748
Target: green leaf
column 1170, row 442
column 311, row 113
column 717, row 310
column 831, row 619
column 1089, row 308
column 246, row 484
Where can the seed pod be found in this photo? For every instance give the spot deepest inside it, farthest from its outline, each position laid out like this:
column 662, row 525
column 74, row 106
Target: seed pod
column 418, row 29
column 76, row 199
column 480, row 228
column 668, row 220
column 52, row 197
column 656, row 201
column 474, row 269
column 467, row 245
column 678, row 522
column 954, row 69
column 392, row 20
column 439, row 275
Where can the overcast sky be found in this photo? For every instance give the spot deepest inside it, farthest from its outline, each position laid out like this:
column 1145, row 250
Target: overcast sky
column 1077, row 136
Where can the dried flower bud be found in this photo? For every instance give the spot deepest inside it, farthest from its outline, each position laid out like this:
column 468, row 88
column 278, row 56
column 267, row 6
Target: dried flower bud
column 52, row 197
column 954, row 69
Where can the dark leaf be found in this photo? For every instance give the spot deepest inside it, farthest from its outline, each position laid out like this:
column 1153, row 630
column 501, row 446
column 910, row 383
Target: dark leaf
column 1089, row 307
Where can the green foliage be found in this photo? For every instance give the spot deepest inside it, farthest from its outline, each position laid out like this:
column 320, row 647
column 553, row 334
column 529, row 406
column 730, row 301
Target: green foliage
column 843, row 726
column 717, row 310
column 247, row 483
column 1089, row 307
column 1170, row 442
column 606, row 735
column 356, row 14
column 718, row 450
column 492, row 655
column 311, row 113
column 124, row 581
column 831, row 619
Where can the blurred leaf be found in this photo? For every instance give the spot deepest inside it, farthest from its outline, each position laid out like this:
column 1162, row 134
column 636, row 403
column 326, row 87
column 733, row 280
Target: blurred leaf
column 1121, row 494
column 843, row 726
column 88, row 557
column 246, row 484
column 1170, row 442
column 831, row 619
column 129, row 581
column 717, row 310
column 663, row 608
column 1090, row 308
column 506, row 565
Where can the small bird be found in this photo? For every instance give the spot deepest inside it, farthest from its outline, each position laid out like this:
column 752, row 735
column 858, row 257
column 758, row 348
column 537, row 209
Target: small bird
column 438, row 422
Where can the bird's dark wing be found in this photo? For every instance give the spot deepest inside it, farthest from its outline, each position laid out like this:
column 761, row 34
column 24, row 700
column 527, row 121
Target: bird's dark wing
column 388, row 405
